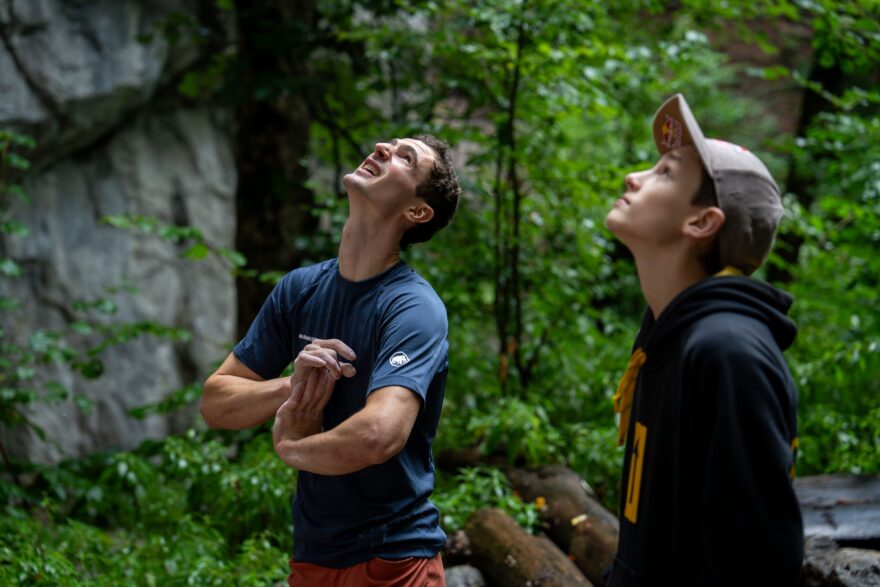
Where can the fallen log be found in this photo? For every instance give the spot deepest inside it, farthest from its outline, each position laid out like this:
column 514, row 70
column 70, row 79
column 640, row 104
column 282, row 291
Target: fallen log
column 573, row 517
column 511, row 557
column 845, row 508
column 452, row 459
column 827, row 565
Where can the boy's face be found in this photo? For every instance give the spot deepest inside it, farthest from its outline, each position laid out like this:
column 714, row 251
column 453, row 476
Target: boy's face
column 390, row 175
column 657, row 203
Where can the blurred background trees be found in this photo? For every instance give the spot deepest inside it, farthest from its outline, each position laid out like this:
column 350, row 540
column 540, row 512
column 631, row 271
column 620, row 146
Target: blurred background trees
column 548, row 105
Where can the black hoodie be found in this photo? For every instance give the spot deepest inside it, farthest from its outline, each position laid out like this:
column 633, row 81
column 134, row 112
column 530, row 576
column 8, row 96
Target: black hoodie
column 706, row 493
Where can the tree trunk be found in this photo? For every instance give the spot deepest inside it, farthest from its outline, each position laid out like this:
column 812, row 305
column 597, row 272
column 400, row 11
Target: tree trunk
column 272, row 136
column 510, row 557
column 574, row 519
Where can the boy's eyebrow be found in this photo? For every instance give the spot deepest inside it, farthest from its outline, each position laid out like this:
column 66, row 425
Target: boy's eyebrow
column 674, row 156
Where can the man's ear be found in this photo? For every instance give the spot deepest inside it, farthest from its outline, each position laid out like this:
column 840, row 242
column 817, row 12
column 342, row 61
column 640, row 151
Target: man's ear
column 419, row 213
column 704, row 224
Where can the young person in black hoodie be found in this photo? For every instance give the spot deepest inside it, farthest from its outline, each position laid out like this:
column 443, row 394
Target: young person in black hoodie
column 708, row 408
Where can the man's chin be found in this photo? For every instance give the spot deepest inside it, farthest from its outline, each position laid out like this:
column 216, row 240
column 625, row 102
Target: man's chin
column 352, row 181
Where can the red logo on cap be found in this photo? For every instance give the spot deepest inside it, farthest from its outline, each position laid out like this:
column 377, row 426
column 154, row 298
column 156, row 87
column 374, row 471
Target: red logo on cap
column 671, row 133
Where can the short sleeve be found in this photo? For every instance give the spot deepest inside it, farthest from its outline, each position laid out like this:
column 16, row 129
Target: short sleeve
column 412, row 343
column 267, row 348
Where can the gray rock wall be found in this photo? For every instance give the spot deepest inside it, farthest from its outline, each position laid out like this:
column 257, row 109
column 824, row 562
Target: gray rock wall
column 75, row 76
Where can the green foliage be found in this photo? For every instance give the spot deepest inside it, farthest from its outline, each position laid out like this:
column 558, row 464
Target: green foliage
column 836, row 359
column 180, row 511
column 460, row 495
column 198, row 248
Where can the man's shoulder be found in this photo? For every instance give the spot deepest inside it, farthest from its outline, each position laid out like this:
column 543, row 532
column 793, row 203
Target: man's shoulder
column 409, row 289
column 409, row 283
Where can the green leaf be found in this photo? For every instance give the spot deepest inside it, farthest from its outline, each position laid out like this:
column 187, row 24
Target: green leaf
column 18, row 161
column 272, row 277
column 14, row 228
column 9, row 303
column 234, row 257
column 84, row 403
column 197, row 252
column 56, row 392
column 91, row 368
column 19, row 193
column 10, row 268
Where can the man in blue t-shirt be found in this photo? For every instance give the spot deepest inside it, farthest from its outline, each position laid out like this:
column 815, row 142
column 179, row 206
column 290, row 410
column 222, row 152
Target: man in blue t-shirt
column 367, row 337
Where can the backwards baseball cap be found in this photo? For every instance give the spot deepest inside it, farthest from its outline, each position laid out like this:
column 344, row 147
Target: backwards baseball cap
column 746, row 192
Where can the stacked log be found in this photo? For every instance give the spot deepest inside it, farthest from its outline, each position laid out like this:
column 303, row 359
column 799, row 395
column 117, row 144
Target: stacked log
column 840, row 512
column 511, row 557
column 573, row 517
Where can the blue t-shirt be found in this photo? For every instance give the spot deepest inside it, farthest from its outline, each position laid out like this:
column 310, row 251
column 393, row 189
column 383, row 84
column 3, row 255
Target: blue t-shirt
column 396, row 325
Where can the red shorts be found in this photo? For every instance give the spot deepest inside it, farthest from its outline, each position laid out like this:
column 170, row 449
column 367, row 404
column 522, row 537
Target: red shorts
column 376, row 572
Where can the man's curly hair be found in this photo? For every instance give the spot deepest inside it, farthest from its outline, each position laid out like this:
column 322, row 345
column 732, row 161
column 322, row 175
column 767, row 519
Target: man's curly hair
column 440, row 190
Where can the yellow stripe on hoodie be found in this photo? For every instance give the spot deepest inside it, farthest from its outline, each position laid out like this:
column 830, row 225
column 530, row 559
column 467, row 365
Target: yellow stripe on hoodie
column 623, row 397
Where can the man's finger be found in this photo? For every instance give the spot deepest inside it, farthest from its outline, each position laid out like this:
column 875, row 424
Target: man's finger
column 348, row 370
column 337, row 345
column 310, row 389
column 329, row 385
column 305, row 359
column 331, row 363
column 297, row 394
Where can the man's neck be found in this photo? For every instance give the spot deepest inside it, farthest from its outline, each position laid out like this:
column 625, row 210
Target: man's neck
column 664, row 274
column 367, row 249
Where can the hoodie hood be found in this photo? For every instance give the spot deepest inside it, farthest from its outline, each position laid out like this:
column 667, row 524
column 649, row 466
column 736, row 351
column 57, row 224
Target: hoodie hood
column 740, row 295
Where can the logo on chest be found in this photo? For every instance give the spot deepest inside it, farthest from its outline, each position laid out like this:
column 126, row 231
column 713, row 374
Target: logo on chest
column 398, row 359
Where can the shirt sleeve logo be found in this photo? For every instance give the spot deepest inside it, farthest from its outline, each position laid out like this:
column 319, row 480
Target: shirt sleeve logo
column 398, row 359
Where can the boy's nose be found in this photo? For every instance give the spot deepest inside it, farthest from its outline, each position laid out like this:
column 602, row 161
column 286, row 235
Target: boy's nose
column 632, row 182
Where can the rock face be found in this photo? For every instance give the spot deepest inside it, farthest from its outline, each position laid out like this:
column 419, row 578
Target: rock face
column 78, row 77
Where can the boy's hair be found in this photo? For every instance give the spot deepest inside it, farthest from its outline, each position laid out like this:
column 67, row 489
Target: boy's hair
column 706, row 197
column 440, row 190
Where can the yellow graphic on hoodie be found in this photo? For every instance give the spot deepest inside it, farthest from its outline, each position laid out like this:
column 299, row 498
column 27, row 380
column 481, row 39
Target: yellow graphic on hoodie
column 634, row 480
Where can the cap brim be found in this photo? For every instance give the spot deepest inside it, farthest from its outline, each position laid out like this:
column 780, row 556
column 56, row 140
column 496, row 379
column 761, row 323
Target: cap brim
column 676, row 127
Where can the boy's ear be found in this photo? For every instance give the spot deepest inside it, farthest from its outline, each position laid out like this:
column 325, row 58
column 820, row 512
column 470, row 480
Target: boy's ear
column 419, row 213
column 704, row 224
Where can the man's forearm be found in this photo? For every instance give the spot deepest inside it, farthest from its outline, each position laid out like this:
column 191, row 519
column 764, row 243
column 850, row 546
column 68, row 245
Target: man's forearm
column 350, row 447
column 234, row 403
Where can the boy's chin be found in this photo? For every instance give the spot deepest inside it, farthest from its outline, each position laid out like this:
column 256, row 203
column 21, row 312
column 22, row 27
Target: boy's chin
column 613, row 225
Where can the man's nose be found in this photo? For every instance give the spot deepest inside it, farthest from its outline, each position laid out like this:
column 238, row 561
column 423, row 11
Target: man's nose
column 383, row 150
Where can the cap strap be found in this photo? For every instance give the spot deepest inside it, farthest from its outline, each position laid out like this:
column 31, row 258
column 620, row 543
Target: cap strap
column 623, row 397
column 729, row 270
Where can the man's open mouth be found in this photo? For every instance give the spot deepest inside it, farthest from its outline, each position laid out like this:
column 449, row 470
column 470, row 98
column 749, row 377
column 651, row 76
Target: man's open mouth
column 371, row 168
